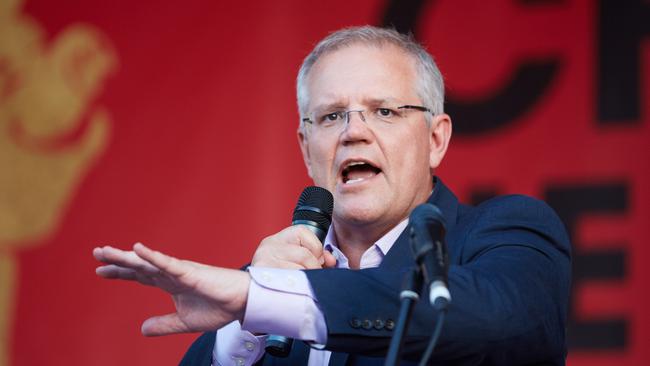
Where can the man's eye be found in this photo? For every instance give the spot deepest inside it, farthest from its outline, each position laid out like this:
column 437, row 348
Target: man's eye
column 331, row 117
column 386, row 113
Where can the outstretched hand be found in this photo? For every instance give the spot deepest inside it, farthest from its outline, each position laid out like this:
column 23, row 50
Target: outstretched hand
column 206, row 297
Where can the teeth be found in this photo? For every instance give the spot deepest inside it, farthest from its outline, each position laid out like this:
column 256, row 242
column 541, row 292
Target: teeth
column 354, row 181
column 355, row 163
column 348, row 167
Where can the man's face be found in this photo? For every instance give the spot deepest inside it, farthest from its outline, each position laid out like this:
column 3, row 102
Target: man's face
column 377, row 175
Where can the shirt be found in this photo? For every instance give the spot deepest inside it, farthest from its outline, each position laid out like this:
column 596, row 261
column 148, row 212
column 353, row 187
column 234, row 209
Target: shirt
column 281, row 301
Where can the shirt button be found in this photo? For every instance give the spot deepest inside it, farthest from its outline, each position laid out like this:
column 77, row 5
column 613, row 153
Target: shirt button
column 291, row 281
column 355, row 323
column 266, row 276
column 249, row 345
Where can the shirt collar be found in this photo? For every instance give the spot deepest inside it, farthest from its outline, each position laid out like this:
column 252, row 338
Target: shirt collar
column 383, row 244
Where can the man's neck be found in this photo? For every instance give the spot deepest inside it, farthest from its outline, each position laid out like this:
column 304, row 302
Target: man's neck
column 354, row 240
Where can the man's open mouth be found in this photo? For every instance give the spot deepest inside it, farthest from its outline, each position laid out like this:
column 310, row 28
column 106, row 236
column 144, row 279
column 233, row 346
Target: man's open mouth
column 357, row 171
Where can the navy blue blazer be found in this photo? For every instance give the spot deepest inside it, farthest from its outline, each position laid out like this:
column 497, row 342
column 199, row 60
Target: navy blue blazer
column 509, row 280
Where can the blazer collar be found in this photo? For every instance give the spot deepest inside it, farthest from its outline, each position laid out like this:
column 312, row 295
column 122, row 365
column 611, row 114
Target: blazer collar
column 400, row 255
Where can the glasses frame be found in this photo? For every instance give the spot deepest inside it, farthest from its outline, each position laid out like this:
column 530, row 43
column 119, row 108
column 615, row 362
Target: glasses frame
column 363, row 118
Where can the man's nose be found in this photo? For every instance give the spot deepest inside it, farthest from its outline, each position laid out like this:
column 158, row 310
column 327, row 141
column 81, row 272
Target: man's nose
column 350, row 114
column 356, row 127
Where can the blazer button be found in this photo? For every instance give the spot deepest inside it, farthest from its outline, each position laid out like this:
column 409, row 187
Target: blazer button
column 390, row 324
column 379, row 324
column 355, row 323
column 367, row 324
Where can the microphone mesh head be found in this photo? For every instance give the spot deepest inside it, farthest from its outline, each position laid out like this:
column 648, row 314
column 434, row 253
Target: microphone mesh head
column 427, row 213
column 315, row 204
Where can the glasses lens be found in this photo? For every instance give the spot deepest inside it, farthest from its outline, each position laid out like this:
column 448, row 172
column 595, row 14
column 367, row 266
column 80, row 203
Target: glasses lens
column 381, row 116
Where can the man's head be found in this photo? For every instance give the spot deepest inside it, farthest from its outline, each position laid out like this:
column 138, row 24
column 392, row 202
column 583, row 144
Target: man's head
column 373, row 126
column 429, row 86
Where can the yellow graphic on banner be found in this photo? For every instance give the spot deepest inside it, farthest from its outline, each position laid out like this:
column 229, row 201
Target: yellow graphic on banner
column 50, row 133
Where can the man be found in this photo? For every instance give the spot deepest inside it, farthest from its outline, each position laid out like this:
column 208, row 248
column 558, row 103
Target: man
column 373, row 132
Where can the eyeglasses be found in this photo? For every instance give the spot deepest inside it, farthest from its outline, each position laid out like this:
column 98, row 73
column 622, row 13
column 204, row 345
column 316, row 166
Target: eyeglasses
column 327, row 122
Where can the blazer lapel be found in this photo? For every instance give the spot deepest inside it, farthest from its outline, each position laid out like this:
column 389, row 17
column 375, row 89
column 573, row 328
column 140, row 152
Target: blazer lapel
column 400, row 255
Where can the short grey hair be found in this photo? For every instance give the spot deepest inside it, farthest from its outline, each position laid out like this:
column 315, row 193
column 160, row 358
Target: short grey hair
column 429, row 86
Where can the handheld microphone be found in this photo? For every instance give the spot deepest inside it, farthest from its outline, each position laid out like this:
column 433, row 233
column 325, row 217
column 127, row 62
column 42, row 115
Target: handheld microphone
column 427, row 235
column 314, row 211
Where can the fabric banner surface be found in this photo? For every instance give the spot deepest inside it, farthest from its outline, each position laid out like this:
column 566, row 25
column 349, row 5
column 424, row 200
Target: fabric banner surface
column 174, row 123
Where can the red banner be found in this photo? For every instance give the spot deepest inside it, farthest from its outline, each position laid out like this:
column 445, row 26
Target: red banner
column 171, row 122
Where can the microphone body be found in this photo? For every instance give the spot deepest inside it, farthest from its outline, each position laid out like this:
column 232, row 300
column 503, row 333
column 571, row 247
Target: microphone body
column 313, row 211
column 427, row 232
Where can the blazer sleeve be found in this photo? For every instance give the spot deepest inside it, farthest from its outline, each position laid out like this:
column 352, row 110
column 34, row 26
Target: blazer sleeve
column 200, row 352
column 509, row 281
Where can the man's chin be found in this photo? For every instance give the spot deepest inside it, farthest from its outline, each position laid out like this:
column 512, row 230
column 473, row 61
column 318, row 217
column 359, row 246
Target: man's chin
column 356, row 213
column 363, row 205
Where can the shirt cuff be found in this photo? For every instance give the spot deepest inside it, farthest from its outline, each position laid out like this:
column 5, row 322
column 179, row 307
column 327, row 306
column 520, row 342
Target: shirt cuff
column 281, row 302
column 234, row 346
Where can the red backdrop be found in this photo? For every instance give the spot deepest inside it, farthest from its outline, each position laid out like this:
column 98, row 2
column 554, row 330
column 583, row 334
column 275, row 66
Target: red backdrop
column 202, row 135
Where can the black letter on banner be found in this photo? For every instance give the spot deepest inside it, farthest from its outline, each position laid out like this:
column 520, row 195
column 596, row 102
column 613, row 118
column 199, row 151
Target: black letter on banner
column 571, row 203
column 622, row 24
column 529, row 82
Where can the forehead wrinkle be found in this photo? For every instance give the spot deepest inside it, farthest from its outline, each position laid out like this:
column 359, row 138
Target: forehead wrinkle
column 365, row 94
column 341, row 103
column 331, row 101
column 378, row 101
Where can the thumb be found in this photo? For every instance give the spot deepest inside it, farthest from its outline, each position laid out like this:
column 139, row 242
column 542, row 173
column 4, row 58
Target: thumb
column 330, row 261
column 163, row 325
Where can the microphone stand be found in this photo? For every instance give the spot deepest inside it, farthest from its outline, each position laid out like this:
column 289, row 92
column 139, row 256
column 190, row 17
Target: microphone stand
column 409, row 296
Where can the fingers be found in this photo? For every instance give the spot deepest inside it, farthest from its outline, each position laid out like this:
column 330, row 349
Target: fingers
column 307, row 239
column 289, row 257
column 328, row 259
column 161, row 261
column 281, row 255
column 163, row 325
column 110, row 255
column 293, row 248
column 114, row 272
column 303, row 257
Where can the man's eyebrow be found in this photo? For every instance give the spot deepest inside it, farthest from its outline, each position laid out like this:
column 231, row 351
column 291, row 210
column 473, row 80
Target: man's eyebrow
column 379, row 101
column 341, row 104
column 331, row 106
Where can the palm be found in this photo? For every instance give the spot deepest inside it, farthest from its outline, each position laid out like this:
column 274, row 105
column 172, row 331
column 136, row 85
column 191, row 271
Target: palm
column 205, row 297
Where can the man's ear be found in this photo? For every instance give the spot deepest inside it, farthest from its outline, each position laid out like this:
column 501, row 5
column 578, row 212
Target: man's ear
column 440, row 134
column 304, row 147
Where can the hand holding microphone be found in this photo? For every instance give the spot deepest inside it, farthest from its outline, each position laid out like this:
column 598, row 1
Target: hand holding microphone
column 298, row 247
